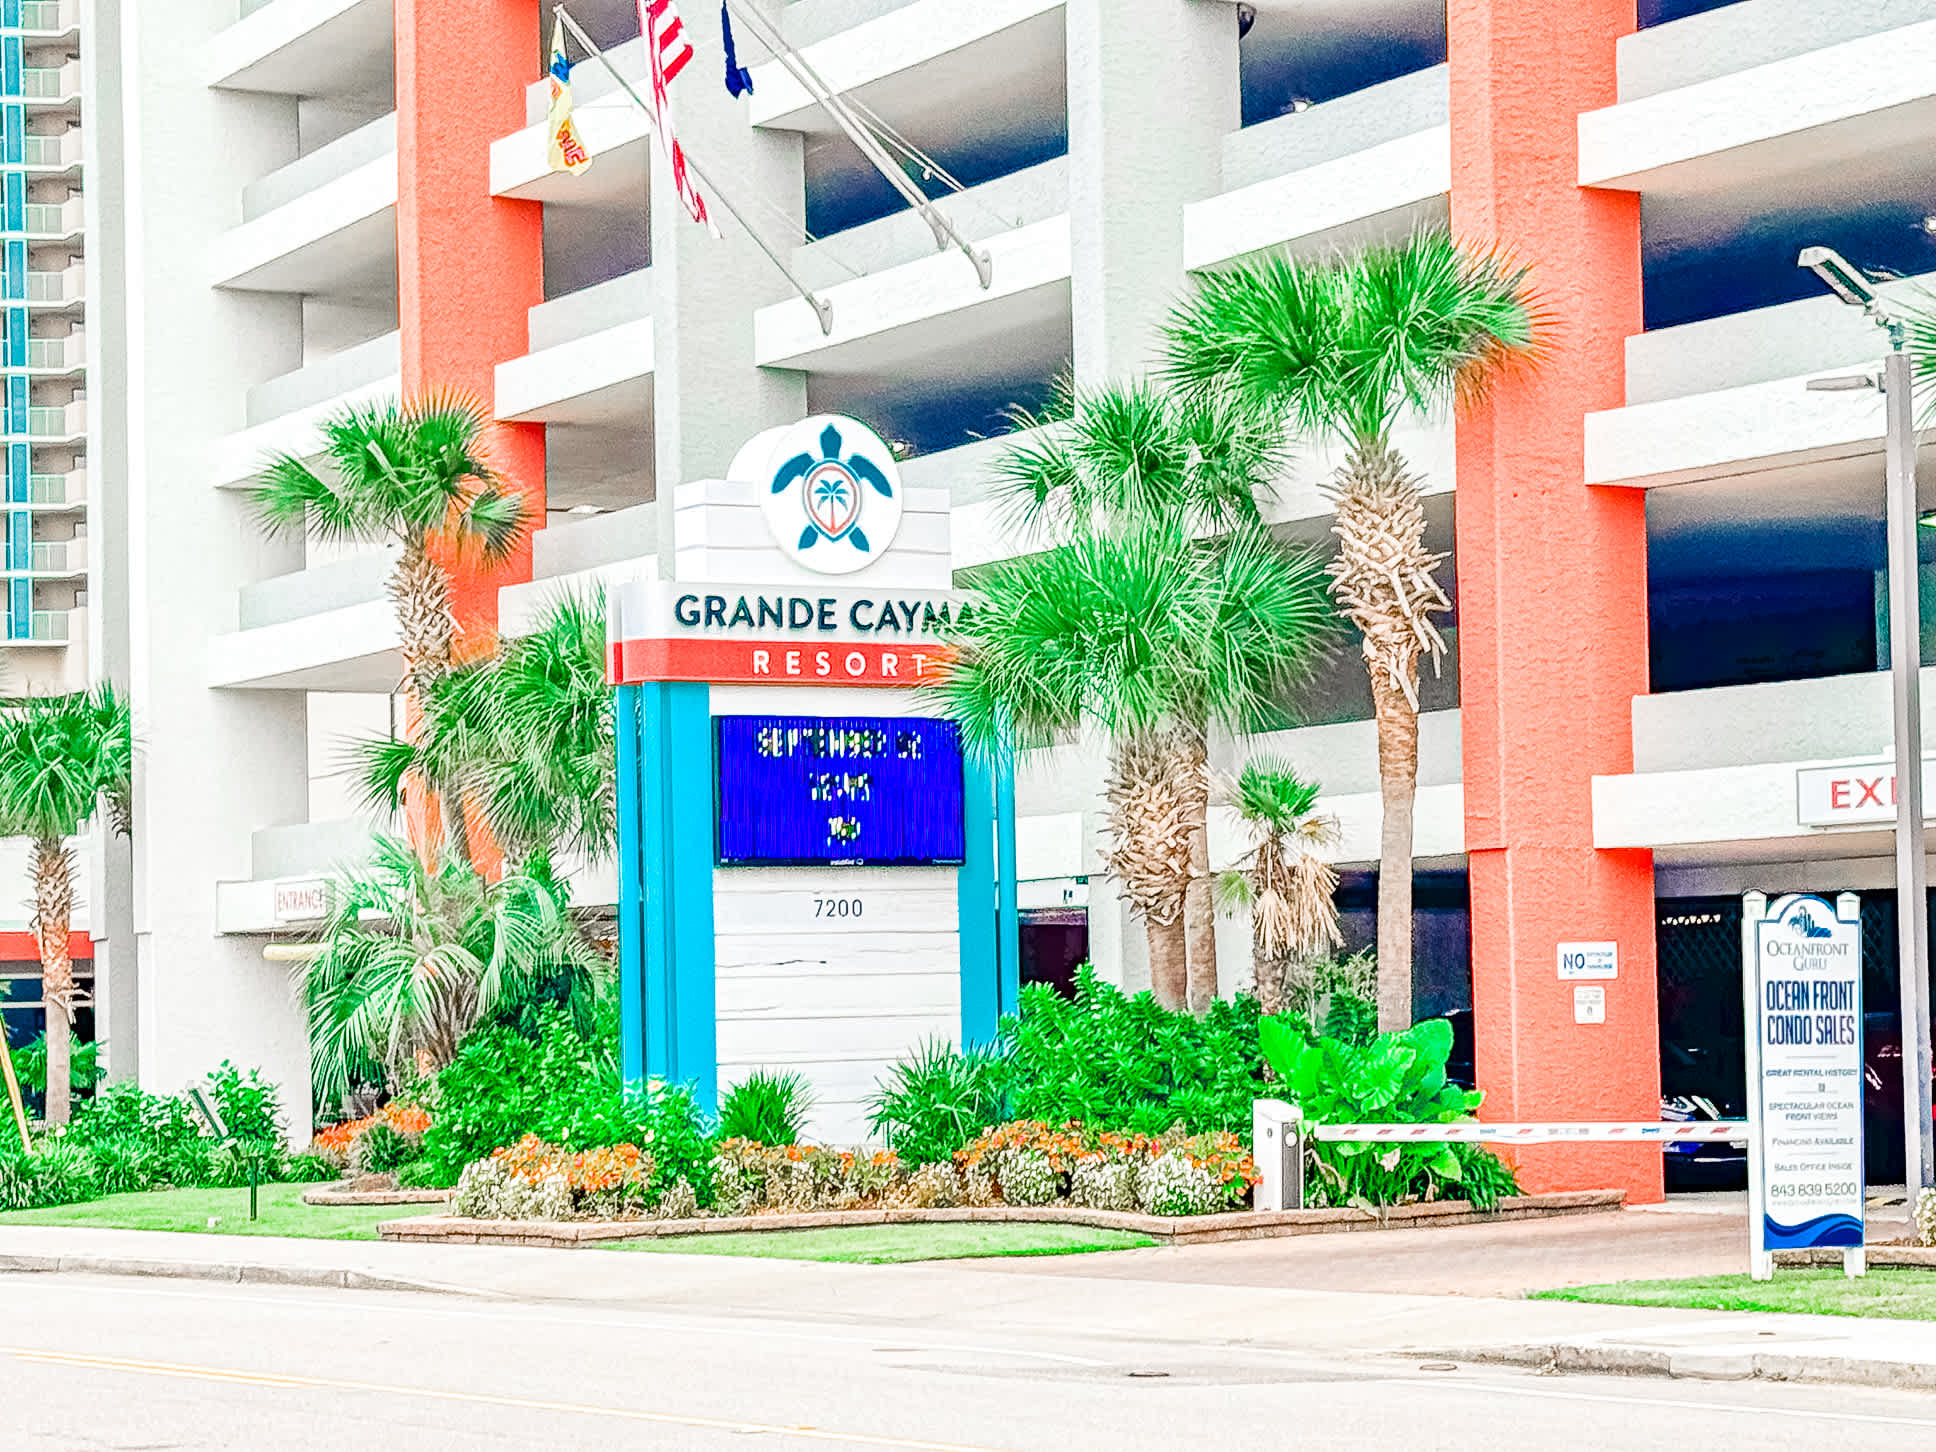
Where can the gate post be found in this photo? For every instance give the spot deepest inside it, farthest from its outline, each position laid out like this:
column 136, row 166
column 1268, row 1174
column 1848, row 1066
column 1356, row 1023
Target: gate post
column 1277, row 1136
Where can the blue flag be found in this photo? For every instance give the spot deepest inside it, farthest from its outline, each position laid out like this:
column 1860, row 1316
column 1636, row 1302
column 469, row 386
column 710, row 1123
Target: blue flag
column 739, row 80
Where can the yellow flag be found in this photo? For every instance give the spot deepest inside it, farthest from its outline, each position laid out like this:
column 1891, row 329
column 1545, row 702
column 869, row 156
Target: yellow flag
column 568, row 153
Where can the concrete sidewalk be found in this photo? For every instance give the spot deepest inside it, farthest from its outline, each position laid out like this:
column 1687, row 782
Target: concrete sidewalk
column 1103, row 1295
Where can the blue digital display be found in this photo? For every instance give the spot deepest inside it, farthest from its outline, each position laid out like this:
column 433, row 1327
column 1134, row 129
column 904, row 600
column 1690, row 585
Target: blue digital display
column 853, row 790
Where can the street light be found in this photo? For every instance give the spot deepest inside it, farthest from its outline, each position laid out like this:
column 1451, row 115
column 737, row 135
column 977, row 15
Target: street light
column 1905, row 667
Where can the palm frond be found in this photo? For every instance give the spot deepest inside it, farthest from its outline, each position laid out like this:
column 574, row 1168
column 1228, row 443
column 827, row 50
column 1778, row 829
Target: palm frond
column 1344, row 344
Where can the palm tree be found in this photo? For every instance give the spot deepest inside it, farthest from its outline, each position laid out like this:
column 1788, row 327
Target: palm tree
column 417, row 473
column 62, row 759
column 525, row 734
column 1155, row 637
column 1131, row 459
column 1286, row 885
column 1344, row 347
column 413, row 957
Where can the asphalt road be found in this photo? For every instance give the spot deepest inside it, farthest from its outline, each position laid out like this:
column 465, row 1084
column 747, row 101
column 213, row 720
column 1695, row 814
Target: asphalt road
column 142, row 1364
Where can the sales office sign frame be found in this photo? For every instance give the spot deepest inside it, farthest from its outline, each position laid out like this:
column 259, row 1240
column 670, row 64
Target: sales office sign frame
column 1802, row 998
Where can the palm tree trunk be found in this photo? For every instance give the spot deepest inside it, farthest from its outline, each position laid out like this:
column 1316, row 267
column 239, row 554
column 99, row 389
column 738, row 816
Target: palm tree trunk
column 1199, row 906
column 1148, row 853
column 1169, row 962
column 419, row 592
column 1397, row 721
column 53, row 919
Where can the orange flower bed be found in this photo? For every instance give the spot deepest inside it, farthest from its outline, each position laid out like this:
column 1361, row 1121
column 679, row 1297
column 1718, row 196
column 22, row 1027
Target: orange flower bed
column 336, row 1141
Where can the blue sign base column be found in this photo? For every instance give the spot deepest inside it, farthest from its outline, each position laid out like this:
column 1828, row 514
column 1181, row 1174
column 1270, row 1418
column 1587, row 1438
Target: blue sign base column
column 991, row 967
column 667, row 1016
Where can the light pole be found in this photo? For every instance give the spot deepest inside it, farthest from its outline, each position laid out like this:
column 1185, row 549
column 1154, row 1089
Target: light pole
column 1905, row 667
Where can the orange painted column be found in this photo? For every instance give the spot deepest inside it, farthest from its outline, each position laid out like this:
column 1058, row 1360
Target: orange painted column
column 469, row 265
column 1552, row 598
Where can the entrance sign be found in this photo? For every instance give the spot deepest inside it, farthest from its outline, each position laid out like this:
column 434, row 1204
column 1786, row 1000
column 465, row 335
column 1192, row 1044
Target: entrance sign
column 1588, row 961
column 814, row 876
column 1802, row 995
column 305, row 901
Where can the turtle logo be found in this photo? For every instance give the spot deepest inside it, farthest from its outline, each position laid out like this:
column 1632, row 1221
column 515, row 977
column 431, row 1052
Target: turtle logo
column 833, row 495
column 833, row 491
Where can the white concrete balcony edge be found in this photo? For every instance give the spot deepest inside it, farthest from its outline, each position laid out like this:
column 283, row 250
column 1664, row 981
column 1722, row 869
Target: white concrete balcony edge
column 1633, row 145
column 521, row 162
column 299, row 47
column 1409, row 175
column 292, row 249
column 1731, row 432
column 351, row 649
column 787, row 334
column 562, row 384
column 238, row 458
column 885, row 46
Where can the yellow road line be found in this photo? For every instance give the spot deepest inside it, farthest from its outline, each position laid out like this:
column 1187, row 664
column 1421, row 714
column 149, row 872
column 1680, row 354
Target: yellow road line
column 327, row 1383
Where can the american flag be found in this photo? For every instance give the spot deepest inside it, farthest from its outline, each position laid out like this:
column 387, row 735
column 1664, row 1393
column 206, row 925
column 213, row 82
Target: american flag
column 666, row 43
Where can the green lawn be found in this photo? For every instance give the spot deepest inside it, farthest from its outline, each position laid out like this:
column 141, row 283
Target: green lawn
column 892, row 1244
column 1908, row 1295
column 222, row 1212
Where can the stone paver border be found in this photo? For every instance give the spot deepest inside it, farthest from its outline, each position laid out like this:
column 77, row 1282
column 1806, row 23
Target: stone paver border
column 331, row 1196
column 1195, row 1230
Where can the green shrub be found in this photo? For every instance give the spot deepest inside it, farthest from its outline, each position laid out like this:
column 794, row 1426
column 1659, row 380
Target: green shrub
column 934, row 1102
column 308, row 1170
column 250, row 1108
column 30, row 1067
column 419, row 1175
column 565, row 1090
column 382, row 1148
column 1394, row 1079
column 1107, row 1058
column 766, row 1108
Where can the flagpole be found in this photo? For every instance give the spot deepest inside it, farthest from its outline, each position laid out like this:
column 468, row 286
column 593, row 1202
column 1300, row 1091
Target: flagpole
column 830, row 101
column 821, row 306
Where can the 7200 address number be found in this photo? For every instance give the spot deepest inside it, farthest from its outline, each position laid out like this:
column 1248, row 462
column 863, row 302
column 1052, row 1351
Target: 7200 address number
column 836, row 907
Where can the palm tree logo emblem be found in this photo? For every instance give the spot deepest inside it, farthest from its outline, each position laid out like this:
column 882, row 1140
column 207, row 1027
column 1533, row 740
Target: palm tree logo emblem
column 834, row 490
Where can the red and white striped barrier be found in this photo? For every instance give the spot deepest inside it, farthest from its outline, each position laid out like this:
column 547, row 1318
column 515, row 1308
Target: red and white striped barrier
column 1691, row 1132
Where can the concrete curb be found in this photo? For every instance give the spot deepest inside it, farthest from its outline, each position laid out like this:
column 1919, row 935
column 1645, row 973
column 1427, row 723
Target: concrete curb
column 1688, row 1365
column 230, row 1273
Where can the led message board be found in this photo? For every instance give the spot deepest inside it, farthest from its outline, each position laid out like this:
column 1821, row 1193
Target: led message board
column 847, row 790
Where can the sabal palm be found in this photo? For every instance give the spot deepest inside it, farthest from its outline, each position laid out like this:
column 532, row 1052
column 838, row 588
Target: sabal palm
column 62, row 759
column 525, row 735
column 414, row 956
column 1115, row 457
column 1288, row 887
column 418, row 473
column 1344, row 348
column 1153, row 636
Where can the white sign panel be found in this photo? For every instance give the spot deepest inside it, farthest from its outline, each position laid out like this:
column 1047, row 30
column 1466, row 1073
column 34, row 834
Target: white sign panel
column 1589, row 1003
column 1802, row 983
column 302, row 902
column 1588, row 960
column 1856, row 794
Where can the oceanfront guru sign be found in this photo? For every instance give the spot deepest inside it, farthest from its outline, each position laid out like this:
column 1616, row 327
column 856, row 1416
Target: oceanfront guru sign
column 1802, row 991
